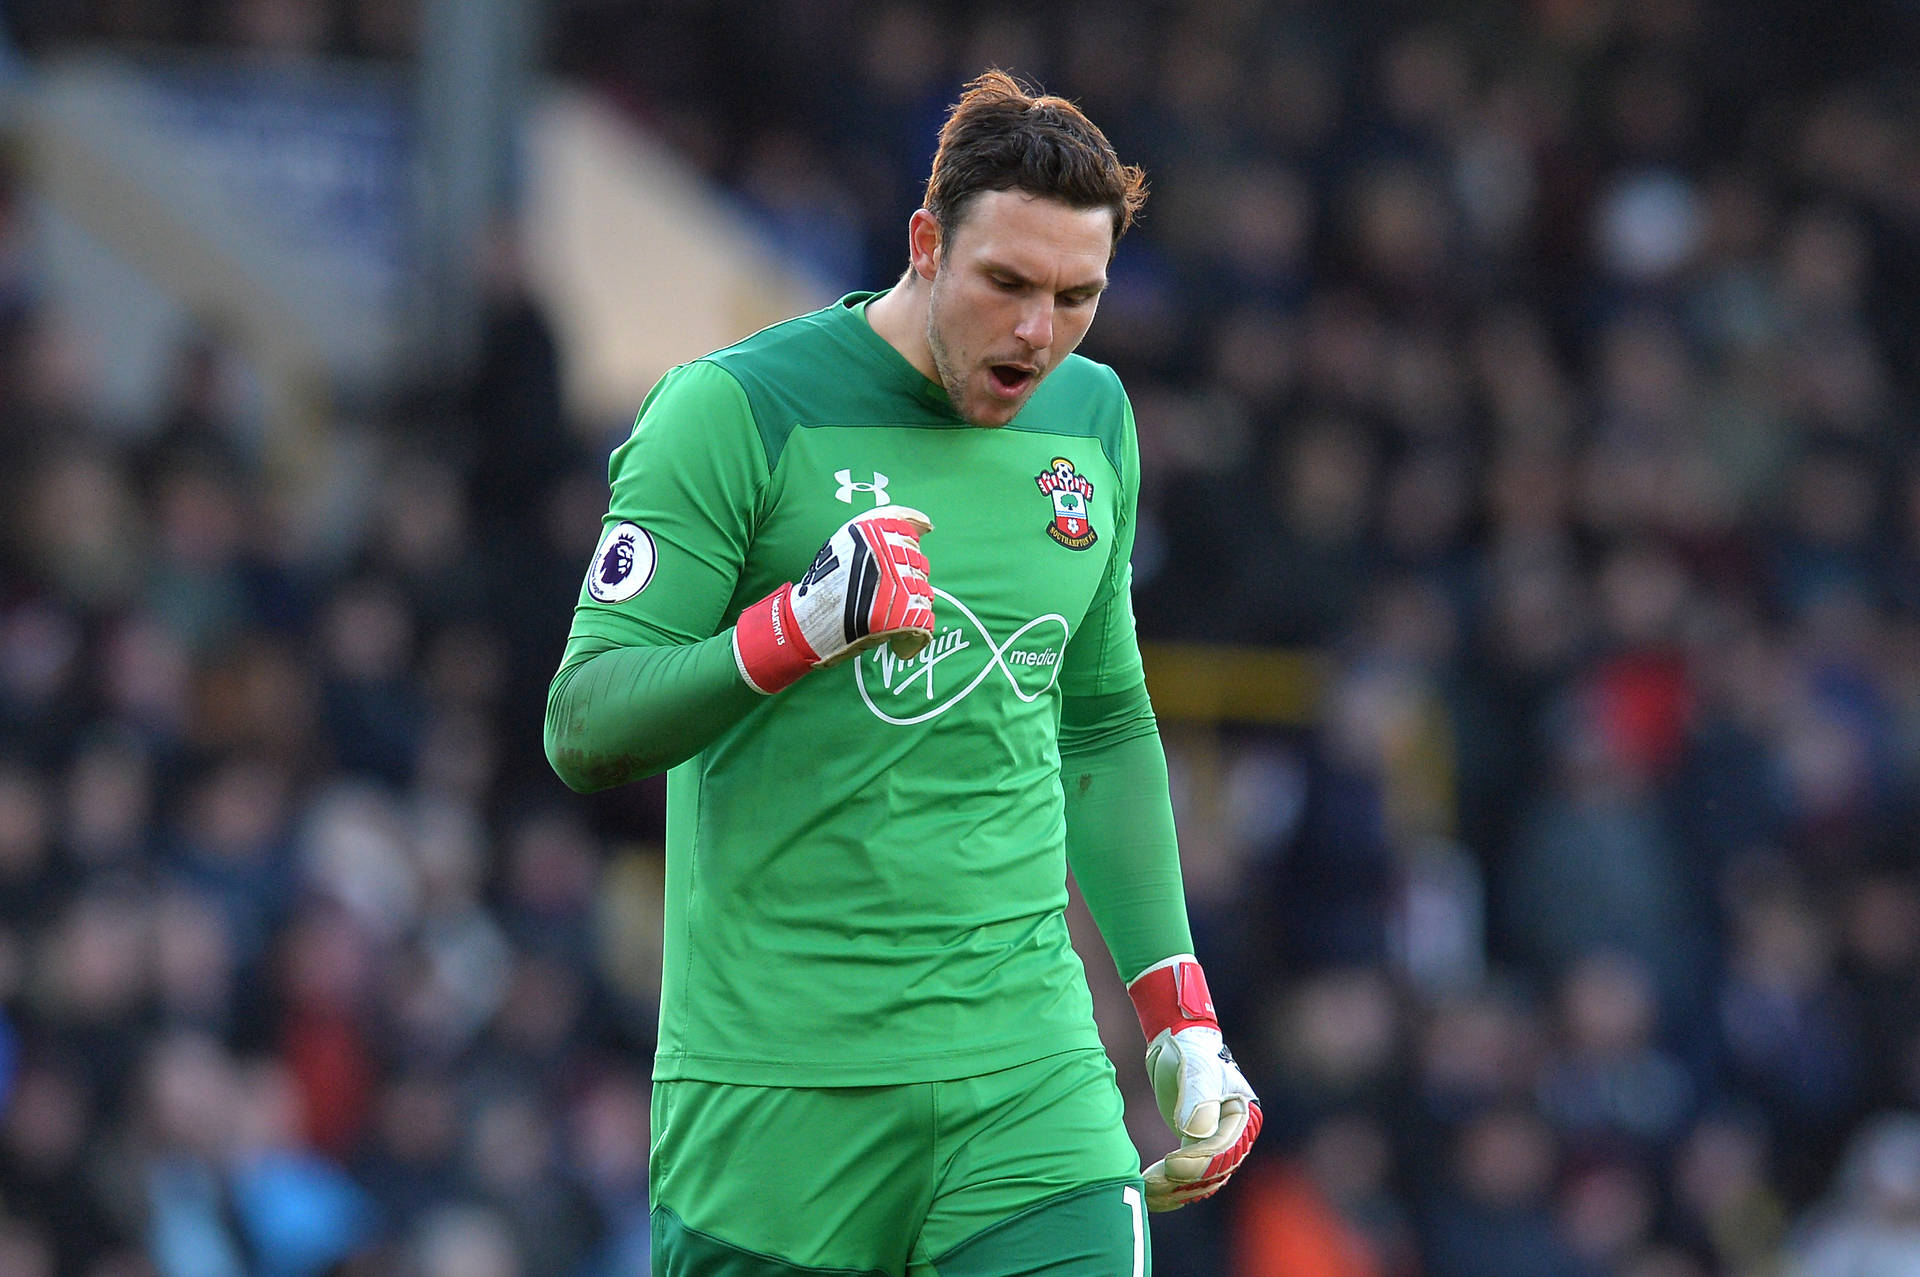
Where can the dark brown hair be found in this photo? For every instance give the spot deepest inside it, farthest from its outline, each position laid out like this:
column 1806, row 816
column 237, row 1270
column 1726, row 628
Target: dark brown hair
column 1003, row 136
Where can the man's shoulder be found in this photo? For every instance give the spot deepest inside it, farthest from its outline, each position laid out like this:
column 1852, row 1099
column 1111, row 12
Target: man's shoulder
column 787, row 348
column 1089, row 381
column 751, row 364
column 802, row 369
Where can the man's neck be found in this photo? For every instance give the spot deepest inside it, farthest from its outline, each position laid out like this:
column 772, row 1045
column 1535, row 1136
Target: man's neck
column 899, row 315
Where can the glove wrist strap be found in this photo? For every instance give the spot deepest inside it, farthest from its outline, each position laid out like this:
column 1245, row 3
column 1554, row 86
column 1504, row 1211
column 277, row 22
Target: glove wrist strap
column 768, row 647
column 1172, row 995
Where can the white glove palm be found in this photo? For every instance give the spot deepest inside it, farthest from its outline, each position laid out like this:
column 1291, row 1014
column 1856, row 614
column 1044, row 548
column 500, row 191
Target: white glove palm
column 1208, row 1103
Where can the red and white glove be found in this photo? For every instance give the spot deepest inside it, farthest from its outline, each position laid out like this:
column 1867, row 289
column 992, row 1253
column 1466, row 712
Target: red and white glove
column 1202, row 1093
column 868, row 585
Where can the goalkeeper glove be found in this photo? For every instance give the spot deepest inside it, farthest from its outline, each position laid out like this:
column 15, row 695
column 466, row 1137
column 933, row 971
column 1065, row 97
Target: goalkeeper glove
column 867, row 585
column 1202, row 1093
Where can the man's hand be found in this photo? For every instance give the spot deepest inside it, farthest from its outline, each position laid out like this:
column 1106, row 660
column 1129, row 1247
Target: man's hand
column 867, row 585
column 1202, row 1093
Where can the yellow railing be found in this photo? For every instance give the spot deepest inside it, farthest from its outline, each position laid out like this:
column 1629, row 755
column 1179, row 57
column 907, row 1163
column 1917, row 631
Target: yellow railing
column 1200, row 688
column 1209, row 683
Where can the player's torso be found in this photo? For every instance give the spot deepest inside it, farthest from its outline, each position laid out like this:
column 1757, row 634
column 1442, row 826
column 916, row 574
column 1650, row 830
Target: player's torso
column 893, row 830
column 1023, row 522
column 926, row 789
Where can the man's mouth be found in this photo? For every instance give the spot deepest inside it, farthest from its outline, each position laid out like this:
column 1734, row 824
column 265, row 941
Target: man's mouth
column 1009, row 380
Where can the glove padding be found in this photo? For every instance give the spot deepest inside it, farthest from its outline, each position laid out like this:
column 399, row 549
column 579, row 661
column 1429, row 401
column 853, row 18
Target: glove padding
column 868, row 585
column 1206, row 1100
column 1201, row 1092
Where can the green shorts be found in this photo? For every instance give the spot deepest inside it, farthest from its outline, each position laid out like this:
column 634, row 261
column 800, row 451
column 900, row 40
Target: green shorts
column 1026, row 1171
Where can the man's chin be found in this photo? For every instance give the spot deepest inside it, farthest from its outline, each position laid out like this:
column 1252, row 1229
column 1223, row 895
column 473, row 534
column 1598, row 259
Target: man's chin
column 990, row 410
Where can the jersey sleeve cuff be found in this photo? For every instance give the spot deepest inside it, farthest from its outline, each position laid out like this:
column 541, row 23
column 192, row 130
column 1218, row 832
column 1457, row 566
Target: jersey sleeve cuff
column 1172, row 995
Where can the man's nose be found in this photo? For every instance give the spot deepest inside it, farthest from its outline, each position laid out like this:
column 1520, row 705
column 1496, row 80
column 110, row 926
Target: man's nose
column 1036, row 325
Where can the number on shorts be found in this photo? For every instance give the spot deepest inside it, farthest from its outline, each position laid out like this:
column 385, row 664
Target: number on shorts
column 1138, row 1210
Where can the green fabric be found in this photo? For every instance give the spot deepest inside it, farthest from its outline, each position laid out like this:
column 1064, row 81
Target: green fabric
column 1073, row 1235
column 1092, row 723
column 895, row 1179
column 1120, row 833
column 619, row 712
column 679, row 1251
column 866, row 873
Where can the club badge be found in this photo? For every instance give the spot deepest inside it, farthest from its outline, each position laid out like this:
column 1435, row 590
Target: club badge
column 1070, row 493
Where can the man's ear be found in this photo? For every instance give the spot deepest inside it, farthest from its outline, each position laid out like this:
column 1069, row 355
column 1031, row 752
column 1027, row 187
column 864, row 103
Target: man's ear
column 923, row 244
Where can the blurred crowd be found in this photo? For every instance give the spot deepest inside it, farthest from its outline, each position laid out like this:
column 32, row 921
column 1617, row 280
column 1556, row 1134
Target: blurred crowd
column 1549, row 368
column 305, row 958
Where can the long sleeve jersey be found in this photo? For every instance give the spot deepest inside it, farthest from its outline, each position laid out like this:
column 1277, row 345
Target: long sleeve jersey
column 866, row 872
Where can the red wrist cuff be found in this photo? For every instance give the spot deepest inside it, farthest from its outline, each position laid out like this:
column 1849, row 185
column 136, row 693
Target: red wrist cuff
column 1173, row 996
column 768, row 645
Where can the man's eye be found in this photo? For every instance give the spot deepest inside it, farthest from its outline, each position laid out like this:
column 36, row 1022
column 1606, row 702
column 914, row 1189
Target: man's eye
column 1006, row 285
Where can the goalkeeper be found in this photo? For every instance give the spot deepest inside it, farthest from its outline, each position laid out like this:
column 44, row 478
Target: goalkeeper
column 863, row 588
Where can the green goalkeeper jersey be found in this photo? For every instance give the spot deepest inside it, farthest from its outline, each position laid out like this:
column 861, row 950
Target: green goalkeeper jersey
column 866, row 872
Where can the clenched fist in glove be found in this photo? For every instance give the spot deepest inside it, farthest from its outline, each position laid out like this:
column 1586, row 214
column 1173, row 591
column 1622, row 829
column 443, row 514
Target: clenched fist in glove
column 867, row 585
column 1202, row 1093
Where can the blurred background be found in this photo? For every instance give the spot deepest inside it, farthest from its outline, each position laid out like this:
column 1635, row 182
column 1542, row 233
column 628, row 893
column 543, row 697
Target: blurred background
column 1529, row 568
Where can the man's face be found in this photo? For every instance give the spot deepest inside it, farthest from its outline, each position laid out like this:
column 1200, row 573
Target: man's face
column 1014, row 289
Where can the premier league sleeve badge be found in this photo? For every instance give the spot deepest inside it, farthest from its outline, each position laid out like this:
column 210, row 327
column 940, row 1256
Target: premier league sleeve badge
column 622, row 564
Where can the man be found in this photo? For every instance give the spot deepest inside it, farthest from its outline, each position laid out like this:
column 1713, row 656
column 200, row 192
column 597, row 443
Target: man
column 877, row 1052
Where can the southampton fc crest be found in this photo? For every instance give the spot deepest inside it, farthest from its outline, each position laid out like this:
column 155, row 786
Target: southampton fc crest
column 1070, row 495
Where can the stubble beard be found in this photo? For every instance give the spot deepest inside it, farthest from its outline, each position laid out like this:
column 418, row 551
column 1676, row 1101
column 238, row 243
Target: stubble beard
column 954, row 384
column 954, row 380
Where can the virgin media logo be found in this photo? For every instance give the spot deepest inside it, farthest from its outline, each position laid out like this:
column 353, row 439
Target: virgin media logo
column 961, row 658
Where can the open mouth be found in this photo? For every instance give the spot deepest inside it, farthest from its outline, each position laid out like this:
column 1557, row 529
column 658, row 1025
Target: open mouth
column 1009, row 379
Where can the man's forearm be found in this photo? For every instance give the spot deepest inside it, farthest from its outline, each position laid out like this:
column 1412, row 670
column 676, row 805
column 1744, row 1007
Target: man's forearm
column 1120, row 841
column 1120, row 834
column 624, row 713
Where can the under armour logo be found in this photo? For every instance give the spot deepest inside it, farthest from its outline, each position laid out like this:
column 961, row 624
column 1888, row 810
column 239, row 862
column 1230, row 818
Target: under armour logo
column 848, row 487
